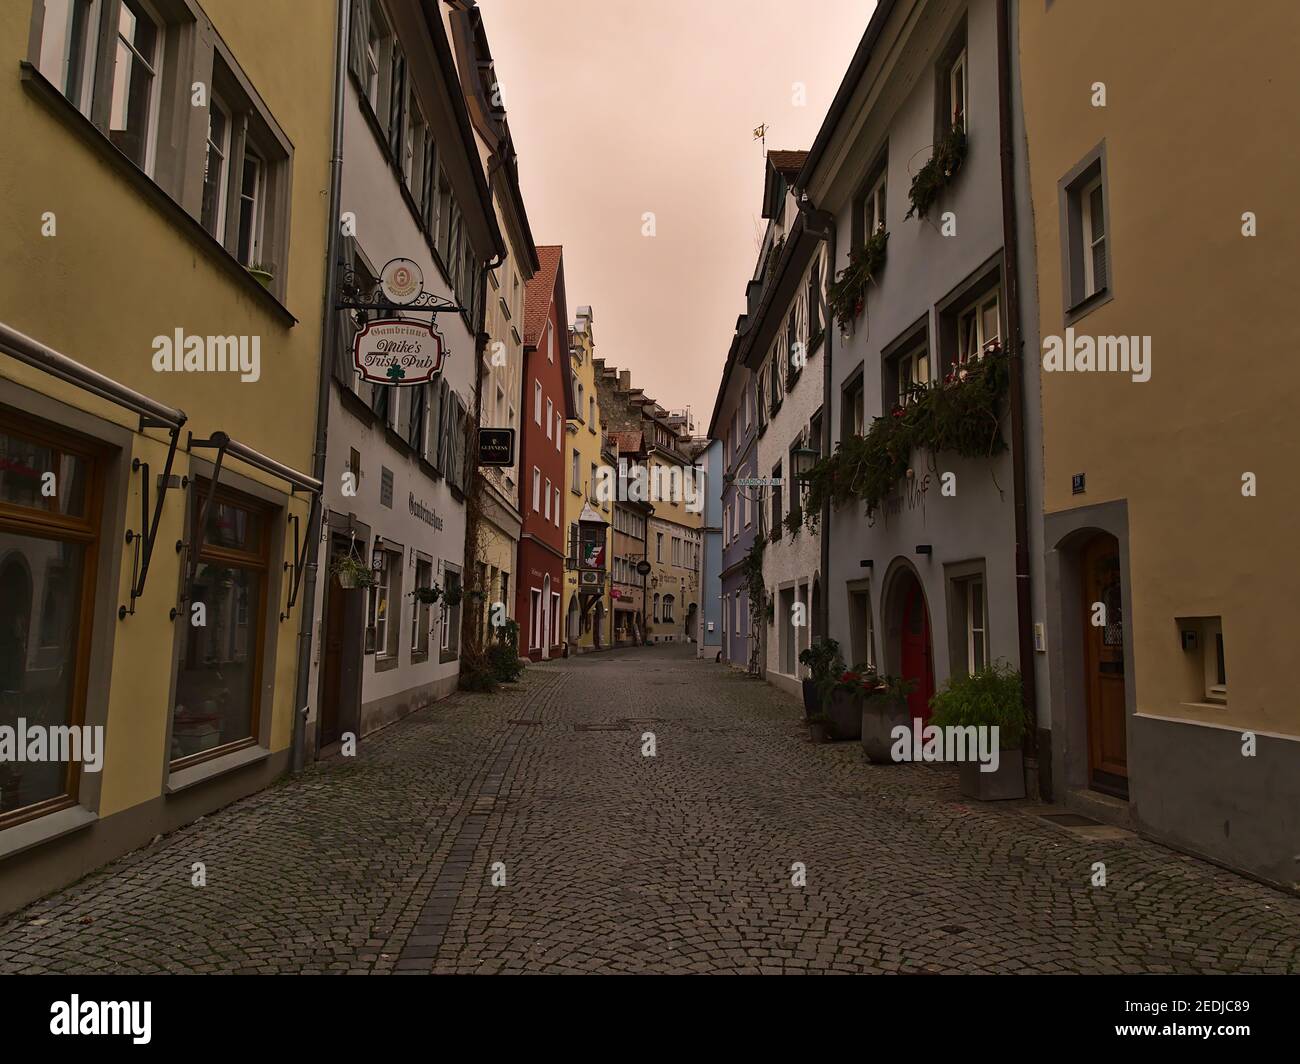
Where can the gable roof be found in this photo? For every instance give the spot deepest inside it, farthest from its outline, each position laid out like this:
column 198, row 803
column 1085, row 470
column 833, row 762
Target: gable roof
column 628, row 440
column 539, row 292
column 787, row 163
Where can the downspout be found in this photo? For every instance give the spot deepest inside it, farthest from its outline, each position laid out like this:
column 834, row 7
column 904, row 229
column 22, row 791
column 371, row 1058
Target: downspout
column 822, row 225
column 1011, row 272
column 329, row 338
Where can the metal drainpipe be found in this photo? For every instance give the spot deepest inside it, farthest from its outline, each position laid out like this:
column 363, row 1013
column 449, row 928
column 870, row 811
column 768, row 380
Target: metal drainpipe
column 1011, row 270
column 330, row 316
column 822, row 224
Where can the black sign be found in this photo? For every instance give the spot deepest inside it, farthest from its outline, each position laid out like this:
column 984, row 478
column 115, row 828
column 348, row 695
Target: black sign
column 1077, row 483
column 496, row 447
column 643, row 568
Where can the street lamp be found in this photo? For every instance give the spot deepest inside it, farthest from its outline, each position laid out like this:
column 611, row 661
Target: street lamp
column 804, row 460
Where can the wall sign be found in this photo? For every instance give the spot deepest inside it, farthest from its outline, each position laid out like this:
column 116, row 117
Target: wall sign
column 643, row 568
column 401, row 281
column 496, row 447
column 398, row 352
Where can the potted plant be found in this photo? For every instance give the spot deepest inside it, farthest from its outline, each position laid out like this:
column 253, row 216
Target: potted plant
column 350, row 572
column 820, row 728
column 263, row 273
column 844, row 706
column 452, row 595
column 991, row 698
column 824, row 664
column 428, row 595
column 883, row 710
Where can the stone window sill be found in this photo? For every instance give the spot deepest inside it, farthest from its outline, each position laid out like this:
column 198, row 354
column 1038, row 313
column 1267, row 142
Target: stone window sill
column 185, row 778
column 43, row 829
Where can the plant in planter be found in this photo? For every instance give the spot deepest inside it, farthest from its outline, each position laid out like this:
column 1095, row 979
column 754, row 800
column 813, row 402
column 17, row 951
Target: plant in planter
column 848, row 293
column 991, row 698
column 820, row 728
column 845, row 695
column 427, row 595
column 453, row 595
column 263, row 273
column 825, row 665
column 351, row 573
column 938, row 173
column 883, row 709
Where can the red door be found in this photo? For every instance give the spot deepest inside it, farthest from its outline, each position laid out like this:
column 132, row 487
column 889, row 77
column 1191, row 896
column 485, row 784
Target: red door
column 916, row 657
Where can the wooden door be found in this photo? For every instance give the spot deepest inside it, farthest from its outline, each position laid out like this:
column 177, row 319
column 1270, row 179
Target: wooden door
column 1103, row 655
column 917, row 659
column 331, row 674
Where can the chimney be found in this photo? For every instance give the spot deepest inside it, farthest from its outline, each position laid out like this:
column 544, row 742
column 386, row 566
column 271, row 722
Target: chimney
column 625, row 380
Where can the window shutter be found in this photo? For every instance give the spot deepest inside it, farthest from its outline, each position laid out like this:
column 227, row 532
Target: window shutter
column 573, row 543
column 415, row 419
column 360, row 38
column 438, row 429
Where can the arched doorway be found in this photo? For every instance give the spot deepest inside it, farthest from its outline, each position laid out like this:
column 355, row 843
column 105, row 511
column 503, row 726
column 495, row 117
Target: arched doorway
column 692, row 613
column 915, row 646
column 1103, row 662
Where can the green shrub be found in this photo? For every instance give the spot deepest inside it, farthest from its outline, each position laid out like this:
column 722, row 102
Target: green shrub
column 476, row 672
column 824, row 664
column 994, row 696
column 505, row 663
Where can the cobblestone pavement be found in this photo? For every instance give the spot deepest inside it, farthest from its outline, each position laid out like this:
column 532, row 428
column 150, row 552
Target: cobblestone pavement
column 617, row 862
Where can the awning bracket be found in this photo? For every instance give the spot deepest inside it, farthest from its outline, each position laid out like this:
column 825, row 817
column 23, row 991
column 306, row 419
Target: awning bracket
column 300, row 546
column 143, row 541
column 218, row 441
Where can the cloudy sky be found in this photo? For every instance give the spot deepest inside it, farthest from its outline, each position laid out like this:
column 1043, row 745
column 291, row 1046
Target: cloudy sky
column 623, row 107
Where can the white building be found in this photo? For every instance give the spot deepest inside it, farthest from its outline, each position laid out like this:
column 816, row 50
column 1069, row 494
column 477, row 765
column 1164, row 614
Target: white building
column 413, row 187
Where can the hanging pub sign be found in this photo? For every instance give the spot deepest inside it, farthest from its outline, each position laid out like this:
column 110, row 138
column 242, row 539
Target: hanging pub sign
column 496, row 447
column 398, row 352
column 401, row 281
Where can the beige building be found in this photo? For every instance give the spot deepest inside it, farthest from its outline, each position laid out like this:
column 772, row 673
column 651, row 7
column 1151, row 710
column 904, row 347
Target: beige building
column 159, row 383
column 1163, row 212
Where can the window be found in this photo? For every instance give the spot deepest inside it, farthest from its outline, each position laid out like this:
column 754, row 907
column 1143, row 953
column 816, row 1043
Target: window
column 559, row 430
column 450, row 644
column 656, row 608
column 591, row 412
column 69, row 38
column 550, row 413
column 977, row 656
column 581, row 395
column 873, row 207
column 911, row 374
column 852, row 410
column 546, row 500
column 1092, row 207
column 557, row 508
column 395, row 112
column 420, row 611
column 814, row 310
column 550, row 344
column 48, row 547
column 218, row 678
column 248, row 244
column 1216, row 673
column 659, row 547
column 537, row 488
column 860, row 628
column 978, row 327
column 748, row 504
column 668, row 609
column 592, row 483
column 376, row 39
column 534, row 619
column 384, row 618
column 957, row 92
column 215, row 171
column 537, row 402
column 575, row 477
column 133, row 115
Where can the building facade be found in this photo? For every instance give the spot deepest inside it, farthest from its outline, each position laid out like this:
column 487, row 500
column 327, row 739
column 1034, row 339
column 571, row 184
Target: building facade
column 925, row 586
column 175, row 407
column 588, row 611
column 631, row 527
column 709, row 636
column 547, row 402
column 781, row 345
column 1167, row 485
column 501, row 521
column 735, row 425
column 396, row 460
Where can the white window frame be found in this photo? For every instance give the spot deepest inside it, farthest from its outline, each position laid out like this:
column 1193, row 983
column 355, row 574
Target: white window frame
column 223, row 151
column 59, row 70
column 1211, row 633
column 550, row 422
column 383, row 586
column 1090, row 244
column 557, row 508
column 155, row 69
column 257, row 214
column 966, row 350
column 873, row 208
column 913, row 368
column 559, row 429
column 537, row 489
column 546, row 500
column 957, row 78
column 537, row 402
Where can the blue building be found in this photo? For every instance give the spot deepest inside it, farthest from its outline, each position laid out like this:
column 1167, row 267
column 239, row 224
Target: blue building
column 734, row 427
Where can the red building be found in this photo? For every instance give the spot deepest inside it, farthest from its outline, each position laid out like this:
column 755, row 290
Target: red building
column 546, row 405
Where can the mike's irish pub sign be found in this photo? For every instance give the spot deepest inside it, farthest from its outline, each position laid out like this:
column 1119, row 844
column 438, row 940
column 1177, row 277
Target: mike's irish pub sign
column 398, row 352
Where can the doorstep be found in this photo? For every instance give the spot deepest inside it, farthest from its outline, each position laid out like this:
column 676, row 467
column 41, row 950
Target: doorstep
column 1103, row 808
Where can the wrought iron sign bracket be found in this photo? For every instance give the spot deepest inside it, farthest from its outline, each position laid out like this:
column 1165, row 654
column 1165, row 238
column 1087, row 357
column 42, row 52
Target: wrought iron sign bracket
column 353, row 295
column 299, row 562
column 218, row 441
column 143, row 541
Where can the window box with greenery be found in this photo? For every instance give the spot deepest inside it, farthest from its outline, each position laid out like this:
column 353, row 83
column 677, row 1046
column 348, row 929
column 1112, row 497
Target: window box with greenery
column 262, row 273
column 961, row 415
column 993, row 697
column 848, row 293
column 825, row 665
column 351, row 573
column 938, row 173
column 794, row 520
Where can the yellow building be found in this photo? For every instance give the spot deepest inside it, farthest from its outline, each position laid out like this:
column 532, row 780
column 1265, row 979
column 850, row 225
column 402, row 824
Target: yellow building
column 587, row 605
column 673, row 541
column 161, row 333
column 1164, row 219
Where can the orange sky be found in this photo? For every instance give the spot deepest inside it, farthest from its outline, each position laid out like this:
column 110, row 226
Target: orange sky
column 620, row 107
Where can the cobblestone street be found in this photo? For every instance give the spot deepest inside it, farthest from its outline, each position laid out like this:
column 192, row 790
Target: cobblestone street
column 616, row 862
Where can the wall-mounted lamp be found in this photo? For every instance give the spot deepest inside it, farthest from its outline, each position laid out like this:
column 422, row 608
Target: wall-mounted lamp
column 377, row 555
column 804, row 460
column 924, row 548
